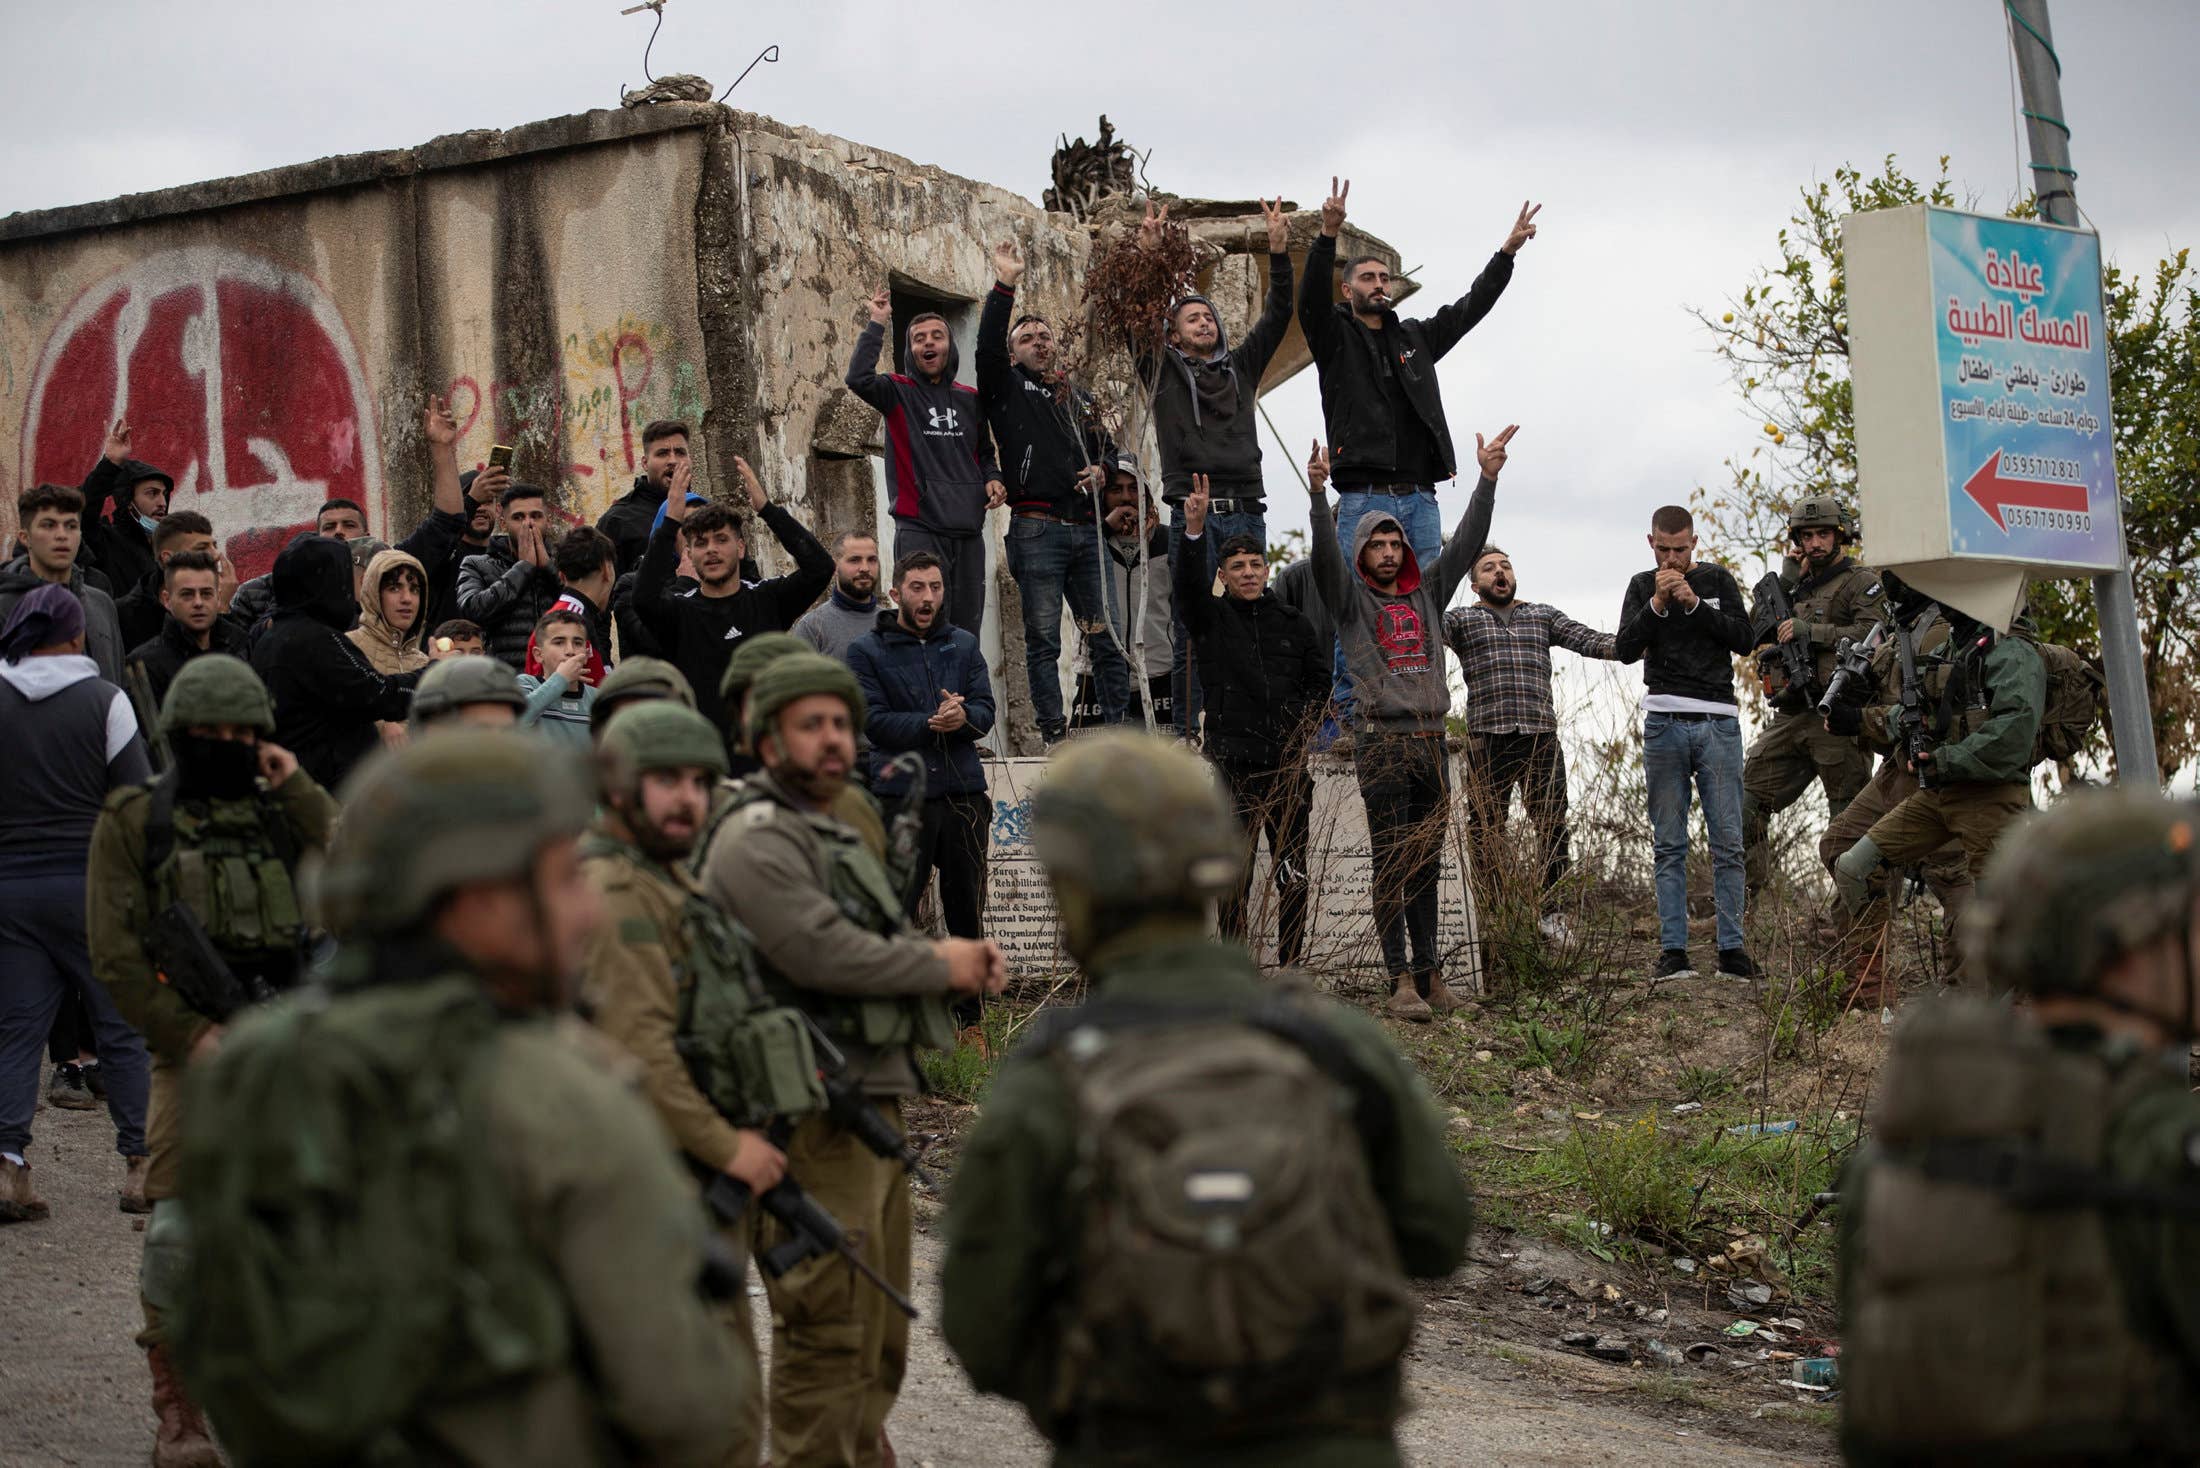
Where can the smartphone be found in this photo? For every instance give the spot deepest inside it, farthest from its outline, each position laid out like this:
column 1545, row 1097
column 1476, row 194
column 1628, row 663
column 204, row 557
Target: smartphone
column 500, row 457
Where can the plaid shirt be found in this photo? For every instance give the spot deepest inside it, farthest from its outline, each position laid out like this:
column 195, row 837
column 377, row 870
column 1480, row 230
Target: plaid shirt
column 1505, row 657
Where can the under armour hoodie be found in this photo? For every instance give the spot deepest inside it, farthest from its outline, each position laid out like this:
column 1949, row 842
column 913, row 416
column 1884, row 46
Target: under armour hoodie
column 939, row 456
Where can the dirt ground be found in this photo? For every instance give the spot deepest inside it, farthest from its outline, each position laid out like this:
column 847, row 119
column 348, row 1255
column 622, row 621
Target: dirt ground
column 1489, row 1383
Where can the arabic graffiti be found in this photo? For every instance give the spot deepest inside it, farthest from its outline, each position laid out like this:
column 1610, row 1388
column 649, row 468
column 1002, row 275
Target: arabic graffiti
column 240, row 378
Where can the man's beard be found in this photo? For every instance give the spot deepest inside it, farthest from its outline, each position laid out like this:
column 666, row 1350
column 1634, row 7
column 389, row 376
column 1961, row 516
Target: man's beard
column 811, row 784
column 1500, row 599
column 657, row 844
column 853, row 594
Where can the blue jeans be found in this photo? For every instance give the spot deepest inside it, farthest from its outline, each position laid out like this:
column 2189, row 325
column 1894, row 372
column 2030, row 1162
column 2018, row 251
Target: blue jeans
column 1424, row 527
column 1707, row 752
column 43, row 961
column 1050, row 560
column 1183, row 667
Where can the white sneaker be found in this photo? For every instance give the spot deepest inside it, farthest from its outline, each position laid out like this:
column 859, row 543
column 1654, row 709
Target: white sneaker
column 1556, row 929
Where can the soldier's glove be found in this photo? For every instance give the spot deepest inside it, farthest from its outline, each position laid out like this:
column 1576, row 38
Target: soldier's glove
column 1844, row 718
column 1853, row 871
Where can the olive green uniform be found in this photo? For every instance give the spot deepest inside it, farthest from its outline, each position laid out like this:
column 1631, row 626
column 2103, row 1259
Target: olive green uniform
column 830, row 937
column 2124, row 1351
column 639, row 963
column 1796, row 747
column 1013, row 1221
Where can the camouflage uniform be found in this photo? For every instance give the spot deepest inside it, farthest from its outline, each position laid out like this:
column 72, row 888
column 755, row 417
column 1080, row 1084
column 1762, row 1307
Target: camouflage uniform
column 1136, row 836
column 2019, row 1237
column 831, row 938
column 236, row 870
column 1796, row 748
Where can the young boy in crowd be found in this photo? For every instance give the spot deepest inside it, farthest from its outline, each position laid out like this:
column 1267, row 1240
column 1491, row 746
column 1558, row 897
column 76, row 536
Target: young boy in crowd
column 456, row 638
column 561, row 677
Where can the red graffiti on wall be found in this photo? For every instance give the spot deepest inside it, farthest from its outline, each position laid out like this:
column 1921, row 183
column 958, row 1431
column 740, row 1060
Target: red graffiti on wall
column 238, row 376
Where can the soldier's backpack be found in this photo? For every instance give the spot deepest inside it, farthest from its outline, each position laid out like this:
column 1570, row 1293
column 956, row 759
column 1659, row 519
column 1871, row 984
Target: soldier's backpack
column 353, row 1258
column 1235, row 1262
column 1983, row 1311
column 2076, row 698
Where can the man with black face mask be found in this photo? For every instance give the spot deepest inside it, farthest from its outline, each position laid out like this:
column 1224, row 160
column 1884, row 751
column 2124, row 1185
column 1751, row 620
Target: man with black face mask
column 235, row 802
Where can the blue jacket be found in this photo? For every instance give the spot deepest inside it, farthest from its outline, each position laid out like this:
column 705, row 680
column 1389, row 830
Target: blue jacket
column 902, row 675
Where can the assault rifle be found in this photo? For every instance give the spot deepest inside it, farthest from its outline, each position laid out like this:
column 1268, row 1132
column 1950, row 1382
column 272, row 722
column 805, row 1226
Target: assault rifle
column 139, row 685
column 1913, row 739
column 906, row 823
column 812, row 1232
column 1769, row 607
column 186, row 960
column 1852, row 662
column 852, row 1111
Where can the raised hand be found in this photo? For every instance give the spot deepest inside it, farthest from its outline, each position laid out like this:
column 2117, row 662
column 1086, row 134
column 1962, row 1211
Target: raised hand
column 277, row 764
column 1317, row 469
column 117, row 446
column 1008, row 263
column 225, row 588
column 490, row 483
column 1279, row 228
column 1491, row 454
column 1150, row 228
column 1195, row 505
column 1523, row 229
column 573, row 668
column 749, row 482
column 881, row 306
column 437, row 424
column 531, row 548
column 676, row 490
column 1333, row 206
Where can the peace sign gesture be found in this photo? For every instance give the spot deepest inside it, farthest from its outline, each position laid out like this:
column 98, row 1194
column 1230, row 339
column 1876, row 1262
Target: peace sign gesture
column 1333, row 206
column 1279, row 228
column 1491, row 455
column 1523, row 229
column 1150, row 228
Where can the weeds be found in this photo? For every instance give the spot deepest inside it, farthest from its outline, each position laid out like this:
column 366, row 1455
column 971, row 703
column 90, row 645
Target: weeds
column 965, row 1073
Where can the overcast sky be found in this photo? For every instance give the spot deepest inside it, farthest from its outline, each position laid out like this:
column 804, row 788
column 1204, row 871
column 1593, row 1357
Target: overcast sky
column 1666, row 142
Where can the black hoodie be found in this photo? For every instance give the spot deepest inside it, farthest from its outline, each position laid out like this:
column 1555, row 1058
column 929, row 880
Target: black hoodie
column 327, row 697
column 1205, row 414
column 120, row 548
column 1044, row 442
column 939, row 456
column 630, row 519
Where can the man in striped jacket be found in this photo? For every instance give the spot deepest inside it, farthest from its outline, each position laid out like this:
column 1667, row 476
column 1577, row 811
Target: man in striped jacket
column 1504, row 650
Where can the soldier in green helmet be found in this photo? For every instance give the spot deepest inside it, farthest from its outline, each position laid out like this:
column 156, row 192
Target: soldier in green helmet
column 432, row 1222
column 665, row 960
column 637, row 680
column 2020, row 1251
column 214, row 844
column 831, row 939
column 1830, row 597
column 1183, row 1230
column 470, row 691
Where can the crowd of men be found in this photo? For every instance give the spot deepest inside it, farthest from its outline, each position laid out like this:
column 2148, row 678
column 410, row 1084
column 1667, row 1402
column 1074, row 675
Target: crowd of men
column 542, row 769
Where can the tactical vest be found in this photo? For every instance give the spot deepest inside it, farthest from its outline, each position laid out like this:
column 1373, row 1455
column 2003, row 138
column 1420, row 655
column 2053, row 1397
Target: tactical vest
column 230, row 862
column 1953, row 688
column 1985, row 1315
column 860, row 888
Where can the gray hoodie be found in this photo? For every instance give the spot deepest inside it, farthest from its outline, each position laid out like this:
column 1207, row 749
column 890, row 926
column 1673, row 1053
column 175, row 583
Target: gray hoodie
column 1394, row 642
column 102, row 623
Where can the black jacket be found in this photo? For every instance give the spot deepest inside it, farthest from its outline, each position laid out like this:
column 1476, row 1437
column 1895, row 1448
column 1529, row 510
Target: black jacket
column 139, row 611
column 1205, row 417
column 1354, row 371
column 1041, row 445
column 1688, row 654
column 505, row 596
column 902, row 675
column 438, row 543
column 698, row 632
column 1264, row 672
column 165, row 653
column 120, row 548
column 1295, row 587
column 327, row 697
column 629, row 520
column 103, row 642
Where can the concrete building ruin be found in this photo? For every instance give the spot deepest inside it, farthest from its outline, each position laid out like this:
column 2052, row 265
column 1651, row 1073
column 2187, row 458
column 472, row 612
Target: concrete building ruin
column 272, row 336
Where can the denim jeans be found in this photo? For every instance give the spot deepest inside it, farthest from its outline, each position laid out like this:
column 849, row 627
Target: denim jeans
column 1424, row 527
column 1707, row 752
column 44, row 963
column 1050, row 560
column 1183, row 666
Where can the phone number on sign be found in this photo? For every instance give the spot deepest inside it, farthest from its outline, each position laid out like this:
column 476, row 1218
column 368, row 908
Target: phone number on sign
column 2032, row 519
column 2032, row 466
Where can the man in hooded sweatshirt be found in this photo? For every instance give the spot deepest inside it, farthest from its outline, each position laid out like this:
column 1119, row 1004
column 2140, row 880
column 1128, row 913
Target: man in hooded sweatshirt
column 1206, row 420
column 393, row 603
column 1389, row 616
column 328, row 698
column 941, row 476
column 122, row 548
column 634, row 515
column 49, row 524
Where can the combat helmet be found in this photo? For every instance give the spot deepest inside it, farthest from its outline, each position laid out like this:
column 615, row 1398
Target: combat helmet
column 2069, row 891
column 472, row 805
column 636, row 679
column 1129, row 821
column 455, row 682
column 798, row 675
column 215, row 688
column 1819, row 512
column 658, row 734
column 752, row 657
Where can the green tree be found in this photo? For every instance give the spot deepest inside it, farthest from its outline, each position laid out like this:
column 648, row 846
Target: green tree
column 1785, row 341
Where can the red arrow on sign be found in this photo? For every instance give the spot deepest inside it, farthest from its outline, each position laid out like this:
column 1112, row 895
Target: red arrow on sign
column 1994, row 491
